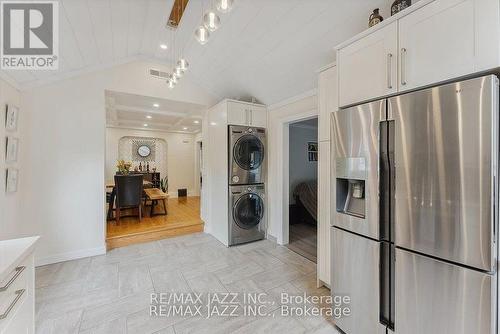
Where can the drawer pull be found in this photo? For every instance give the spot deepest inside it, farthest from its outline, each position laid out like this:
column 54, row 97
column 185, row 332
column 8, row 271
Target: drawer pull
column 19, row 294
column 19, row 270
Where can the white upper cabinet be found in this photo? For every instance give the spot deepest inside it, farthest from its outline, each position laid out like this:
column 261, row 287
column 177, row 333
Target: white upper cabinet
column 367, row 68
column 240, row 113
column 328, row 101
column 437, row 43
column 430, row 42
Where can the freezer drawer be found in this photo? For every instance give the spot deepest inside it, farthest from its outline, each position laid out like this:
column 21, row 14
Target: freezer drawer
column 355, row 159
column 445, row 171
column 355, row 273
column 435, row 297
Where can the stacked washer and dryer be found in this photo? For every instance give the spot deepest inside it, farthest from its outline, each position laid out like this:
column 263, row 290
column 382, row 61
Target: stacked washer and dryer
column 247, row 175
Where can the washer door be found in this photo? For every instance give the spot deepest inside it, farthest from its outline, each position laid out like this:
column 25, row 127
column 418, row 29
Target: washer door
column 248, row 211
column 248, row 152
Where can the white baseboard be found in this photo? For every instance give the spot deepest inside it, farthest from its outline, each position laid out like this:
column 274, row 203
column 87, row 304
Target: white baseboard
column 173, row 194
column 70, row 256
column 272, row 238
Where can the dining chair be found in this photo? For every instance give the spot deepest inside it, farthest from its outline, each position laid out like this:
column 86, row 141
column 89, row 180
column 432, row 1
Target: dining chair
column 128, row 194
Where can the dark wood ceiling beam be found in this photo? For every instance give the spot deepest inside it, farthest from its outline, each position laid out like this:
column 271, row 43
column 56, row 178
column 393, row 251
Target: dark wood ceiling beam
column 176, row 14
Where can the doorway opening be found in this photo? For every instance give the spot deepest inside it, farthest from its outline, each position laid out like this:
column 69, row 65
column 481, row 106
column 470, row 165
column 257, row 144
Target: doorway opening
column 303, row 187
column 158, row 141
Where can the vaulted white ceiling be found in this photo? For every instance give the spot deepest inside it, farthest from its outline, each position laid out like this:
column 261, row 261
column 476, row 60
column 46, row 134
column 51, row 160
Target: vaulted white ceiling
column 268, row 49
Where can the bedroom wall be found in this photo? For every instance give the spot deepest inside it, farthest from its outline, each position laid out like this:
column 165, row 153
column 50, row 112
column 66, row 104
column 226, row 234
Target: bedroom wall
column 301, row 169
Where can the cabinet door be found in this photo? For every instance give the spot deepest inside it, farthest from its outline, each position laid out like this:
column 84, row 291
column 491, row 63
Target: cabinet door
column 367, row 68
column 324, row 212
column 437, row 43
column 258, row 116
column 237, row 113
column 328, row 101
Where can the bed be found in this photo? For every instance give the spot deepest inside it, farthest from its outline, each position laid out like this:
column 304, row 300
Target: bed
column 306, row 195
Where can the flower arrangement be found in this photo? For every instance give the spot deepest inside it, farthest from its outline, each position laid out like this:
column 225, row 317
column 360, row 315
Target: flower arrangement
column 123, row 167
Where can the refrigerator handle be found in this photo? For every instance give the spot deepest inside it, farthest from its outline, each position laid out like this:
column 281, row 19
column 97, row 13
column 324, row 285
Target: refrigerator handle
column 383, row 183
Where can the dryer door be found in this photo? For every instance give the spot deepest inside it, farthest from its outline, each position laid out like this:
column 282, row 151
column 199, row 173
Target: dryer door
column 248, row 211
column 248, row 152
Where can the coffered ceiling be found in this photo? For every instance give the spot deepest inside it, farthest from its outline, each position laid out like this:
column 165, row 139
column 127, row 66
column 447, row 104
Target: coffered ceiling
column 268, row 49
column 149, row 113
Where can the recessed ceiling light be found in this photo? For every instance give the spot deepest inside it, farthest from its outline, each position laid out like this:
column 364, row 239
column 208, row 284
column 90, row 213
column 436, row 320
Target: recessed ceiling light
column 145, row 125
column 163, row 46
column 149, row 116
column 184, row 128
column 196, row 122
column 213, row 123
column 156, row 105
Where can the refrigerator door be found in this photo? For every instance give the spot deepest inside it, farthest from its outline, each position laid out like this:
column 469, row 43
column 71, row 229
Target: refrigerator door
column 445, row 171
column 355, row 273
column 355, row 159
column 436, row 297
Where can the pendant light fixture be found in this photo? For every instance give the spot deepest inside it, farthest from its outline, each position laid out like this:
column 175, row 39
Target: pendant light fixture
column 170, row 83
column 224, row 6
column 183, row 64
column 178, row 72
column 201, row 33
column 211, row 20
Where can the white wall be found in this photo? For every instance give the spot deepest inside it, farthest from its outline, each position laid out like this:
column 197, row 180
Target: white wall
column 294, row 109
column 180, row 156
column 64, row 156
column 10, row 203
column 301, row 169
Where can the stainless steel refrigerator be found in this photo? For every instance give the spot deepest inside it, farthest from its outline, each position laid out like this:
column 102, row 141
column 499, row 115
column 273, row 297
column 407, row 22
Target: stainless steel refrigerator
column 415, row 211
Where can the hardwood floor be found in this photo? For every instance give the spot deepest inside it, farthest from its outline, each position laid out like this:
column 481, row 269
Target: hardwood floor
column 183, row 218
column 304, row 240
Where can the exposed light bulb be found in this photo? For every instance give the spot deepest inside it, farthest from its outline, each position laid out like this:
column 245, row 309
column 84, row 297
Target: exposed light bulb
column 211, row 21
column 170, row 84
column 178, row 72
column 202, row 34
column 174, row 78
column 224, row 6
column 183, row 64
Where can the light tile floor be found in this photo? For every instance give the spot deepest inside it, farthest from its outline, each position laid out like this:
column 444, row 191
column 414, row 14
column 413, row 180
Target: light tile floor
column 112, row 293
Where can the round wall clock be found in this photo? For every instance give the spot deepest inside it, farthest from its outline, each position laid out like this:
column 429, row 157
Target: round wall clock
column 144, row 151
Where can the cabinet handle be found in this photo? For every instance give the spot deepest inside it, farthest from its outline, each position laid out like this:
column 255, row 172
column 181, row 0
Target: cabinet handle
column 389, row 70
column 19, row 270
column 19, row 294
column 403, row 66
column 251, row 116
column 246, row 116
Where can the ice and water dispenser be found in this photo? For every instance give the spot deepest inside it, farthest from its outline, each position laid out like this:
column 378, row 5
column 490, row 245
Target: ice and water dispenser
column 351, row 178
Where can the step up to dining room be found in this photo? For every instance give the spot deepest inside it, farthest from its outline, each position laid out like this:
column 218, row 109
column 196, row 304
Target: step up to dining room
column 139, row 210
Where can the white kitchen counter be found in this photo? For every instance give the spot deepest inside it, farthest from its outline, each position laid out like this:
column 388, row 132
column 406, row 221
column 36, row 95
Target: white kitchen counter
column 14, row 251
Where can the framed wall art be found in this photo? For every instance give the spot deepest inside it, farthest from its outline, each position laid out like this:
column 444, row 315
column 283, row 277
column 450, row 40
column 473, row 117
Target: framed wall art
column 12, row 145
column 12, row 180
column 11, row 117
column 312, row 151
